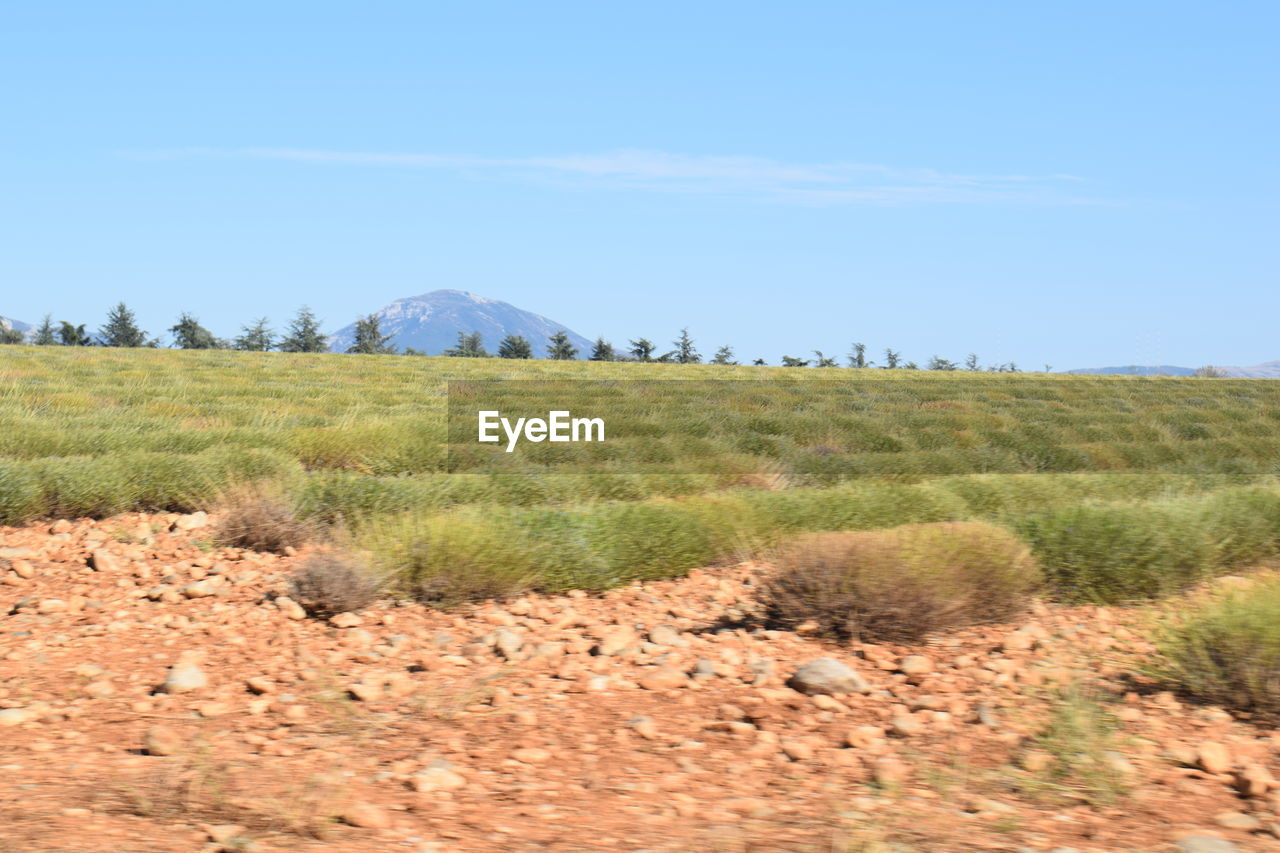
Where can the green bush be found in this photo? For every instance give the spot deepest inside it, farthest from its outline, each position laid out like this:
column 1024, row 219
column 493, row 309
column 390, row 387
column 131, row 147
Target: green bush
column 1225, row 649
column 20, row 497
column 1243, row 525
column 1119, row 552
column 900, row 584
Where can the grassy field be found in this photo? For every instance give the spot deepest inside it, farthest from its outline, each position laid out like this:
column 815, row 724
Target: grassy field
column 1157, row 477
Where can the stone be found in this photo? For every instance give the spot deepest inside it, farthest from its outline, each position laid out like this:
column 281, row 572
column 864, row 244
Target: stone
column 531, row 755
column 644, row 726
column 663, row 678
column 259, row 684
column 1213, row 757
column 290, row 608
column 51, row 605
column 199, row 589
column 194, row 521
column 436, row 778
column 797, row 750
column 162, row 740
column 916, row 665
column 616, row 641
column 665, row 635
column 366, row 816
column 508, row 643
column 905, row 725
column 184, row 677
column 1204, row 844
column 1255, row 780
column 1237, row 820
column 15, row 717
column 827, row 675
column 346, row 620
column 104, row 561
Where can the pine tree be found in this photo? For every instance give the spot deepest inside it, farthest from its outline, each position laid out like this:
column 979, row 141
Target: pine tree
column 304, row 334
column 823, row 361
column 858, row 355
column 684, row 349
column 788, row 361
column 759, row 362
column 641, row 349
column 10, row 335
column 74, row 336
column 468, row 346
column 257, row 337
column 559, row 348
column 971, row 363
column 189, row 334
column 602, row 350
column 515, row 346
column 121, row 329
column 892, row 359
column 45, row 334
column 939, row 363
column 369, row 338
column 724, row 355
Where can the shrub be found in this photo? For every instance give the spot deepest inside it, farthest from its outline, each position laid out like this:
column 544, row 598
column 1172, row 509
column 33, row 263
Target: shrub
column 900, row 584
column 1113, row 553
column 1243, row 525
column 1226, row 649
column 330, row 582
column 259, row 519
column 20, row 497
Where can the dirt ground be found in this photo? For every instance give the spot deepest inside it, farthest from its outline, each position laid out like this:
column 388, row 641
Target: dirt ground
column 158, row 695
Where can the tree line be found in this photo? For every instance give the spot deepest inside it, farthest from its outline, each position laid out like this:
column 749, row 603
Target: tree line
column 303, row 334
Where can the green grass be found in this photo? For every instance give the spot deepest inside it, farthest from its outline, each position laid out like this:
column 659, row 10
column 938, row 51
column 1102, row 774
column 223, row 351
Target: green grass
column 1125, row 487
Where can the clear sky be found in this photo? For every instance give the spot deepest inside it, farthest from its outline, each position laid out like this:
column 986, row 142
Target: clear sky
column 1078, row 184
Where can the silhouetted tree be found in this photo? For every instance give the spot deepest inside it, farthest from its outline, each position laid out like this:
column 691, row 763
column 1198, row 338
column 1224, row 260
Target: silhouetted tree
column 910, row 365
column 1210, row 372
column 822, row 360
column 73, row 336
column 45, row 334
column 257, row 337
column 369, row 338
column 602, row 350
column 515, row 346
column 641, row 349
column 759, row 362
column 121, row 329
column 724, row 355
column 468, row 346
column 685, row 353
column 939, row 363
column 560, row 348
column 971, row 363
column 788, row 361
column 11, row 336
column 189, row 334
column 303, row 334
column 891, row 359
column 858, row 355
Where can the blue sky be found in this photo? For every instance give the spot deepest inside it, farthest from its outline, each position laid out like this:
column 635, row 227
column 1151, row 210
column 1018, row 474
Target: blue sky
column 1075, row 184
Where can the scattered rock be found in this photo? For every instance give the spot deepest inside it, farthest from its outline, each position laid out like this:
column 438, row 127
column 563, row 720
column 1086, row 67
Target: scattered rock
column 1204, row 844
column 184, row 677
column 162, row 740
column 1213, row 757
column 827, row 675
column 366, row 816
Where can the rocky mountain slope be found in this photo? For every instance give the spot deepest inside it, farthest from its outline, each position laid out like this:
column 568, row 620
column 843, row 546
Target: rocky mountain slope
column 431, row 323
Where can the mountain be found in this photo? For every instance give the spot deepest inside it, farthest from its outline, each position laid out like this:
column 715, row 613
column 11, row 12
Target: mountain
column 431, row 323
column 1267, row 370
column 6, row 323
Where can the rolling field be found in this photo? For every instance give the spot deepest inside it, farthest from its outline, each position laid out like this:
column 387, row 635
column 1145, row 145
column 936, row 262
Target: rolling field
column 1124, row 487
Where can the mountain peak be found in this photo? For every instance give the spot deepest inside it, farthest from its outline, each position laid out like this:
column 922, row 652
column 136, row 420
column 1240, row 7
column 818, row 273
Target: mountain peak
column 431, row 322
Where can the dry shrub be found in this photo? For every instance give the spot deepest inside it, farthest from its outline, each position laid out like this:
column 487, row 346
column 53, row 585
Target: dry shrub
column 260, row 519
column 900, row 584
column 330, row 582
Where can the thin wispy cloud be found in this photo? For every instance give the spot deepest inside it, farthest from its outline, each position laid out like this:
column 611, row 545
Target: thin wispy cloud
column 761, row 178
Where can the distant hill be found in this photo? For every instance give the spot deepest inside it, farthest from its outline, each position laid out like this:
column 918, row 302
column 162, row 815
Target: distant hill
column 431, row 323
column 1268, row 370
column 7, row 323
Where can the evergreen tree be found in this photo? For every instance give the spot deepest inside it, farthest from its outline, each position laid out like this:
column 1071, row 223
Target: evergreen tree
column 73, row 336
column 684, row 349
column 602, row 350
column 11, row 336
column 788, row 361
column 189, row 334
column 304, row 334
column 823, row 361
column 910, row 365
column 515, row 346
column 858, row 355
column 971, row 363
column 258, row 337
column 641, row 349
column 724, row 355
column 121, row 329
column 45, row 334
column 939, row 363
column 559, row 348
column 891, row 359
column 369, row 338
column 468, row 346
column 759, row 362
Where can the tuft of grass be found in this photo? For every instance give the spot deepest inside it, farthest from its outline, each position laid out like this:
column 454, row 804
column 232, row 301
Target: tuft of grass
column 900, row 584
column 260, row 519
column 1225, row 648
column 1080, row 739
column 330, row 582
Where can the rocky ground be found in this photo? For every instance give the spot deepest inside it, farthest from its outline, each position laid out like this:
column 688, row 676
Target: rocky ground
column 159, row 695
